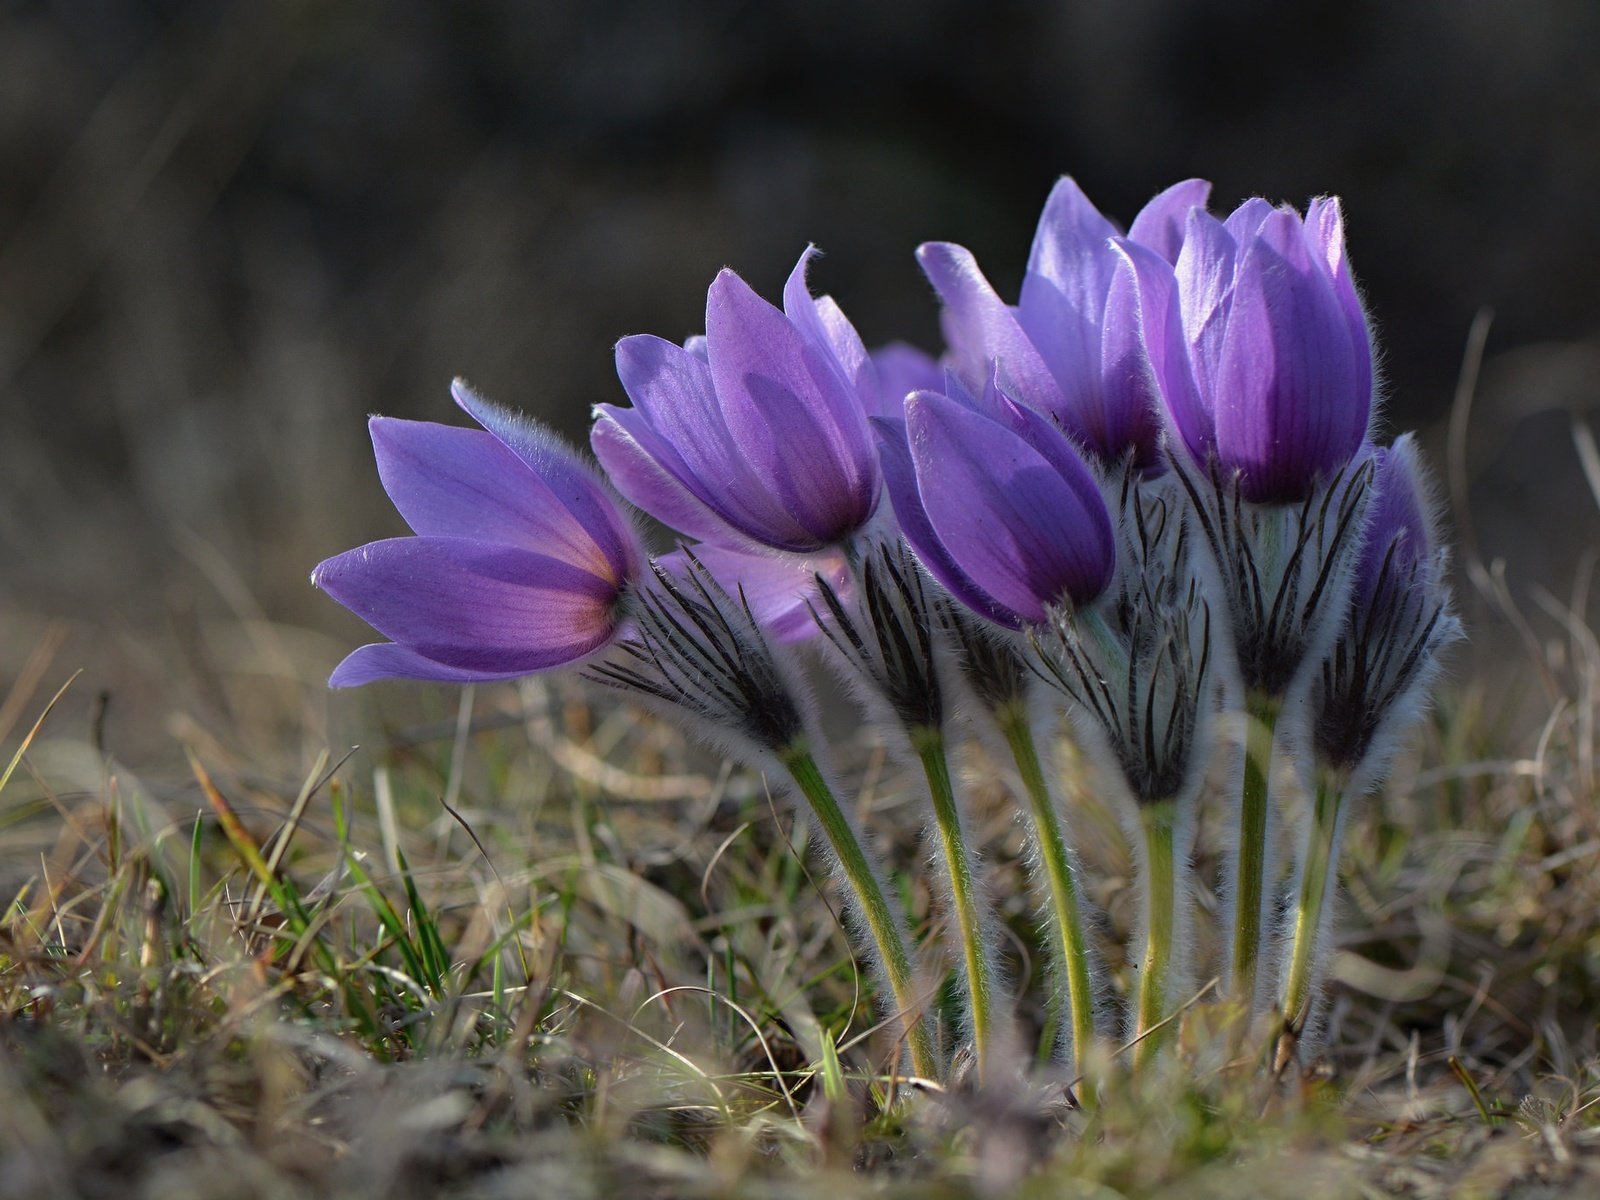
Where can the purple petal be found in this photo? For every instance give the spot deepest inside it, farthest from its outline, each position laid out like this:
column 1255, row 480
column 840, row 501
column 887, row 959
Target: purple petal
column 472, row 605
column 1063, row 303
column 386, row 660
column 900, row 480
column 1246, row 221
column 1161, row 222
column 793, row 418
column 635, row 456
column 981, row 328
column 1289, row 407
column 1127, row 418
column 1161, row 336
column 1205, row 277
column 903, row 369
column 1071, row 261
column 675, row 456
column 1042, row 435
column 823, row 322
column 1399, row 539
column 453, row 482
column 1004, row 513
column 561, row 479
column 1325, row 225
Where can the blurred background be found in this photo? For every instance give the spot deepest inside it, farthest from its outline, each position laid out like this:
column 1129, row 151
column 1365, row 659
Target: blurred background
column 229, row 229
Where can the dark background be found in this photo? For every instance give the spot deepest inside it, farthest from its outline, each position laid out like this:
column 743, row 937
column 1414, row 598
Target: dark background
column 228, row 230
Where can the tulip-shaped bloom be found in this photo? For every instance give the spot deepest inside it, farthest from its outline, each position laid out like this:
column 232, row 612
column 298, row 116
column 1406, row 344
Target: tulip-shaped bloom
column 1135, row 665
column 1260, row 346
column 1073, row 346
column 1372, row 688
column 1264, row 361
column 1004, row 511
column 755, row 435
column 523, row 560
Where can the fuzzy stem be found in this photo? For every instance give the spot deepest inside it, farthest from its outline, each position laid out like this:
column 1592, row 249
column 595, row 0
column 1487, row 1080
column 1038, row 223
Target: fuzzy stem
column 1161, row 895
column 1249, row 888
column 1311, row 910
column 883, row 925
column 981, row 990
column 1071, row 947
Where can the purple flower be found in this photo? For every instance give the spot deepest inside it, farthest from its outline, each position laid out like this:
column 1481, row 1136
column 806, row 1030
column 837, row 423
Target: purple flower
column 1074, row 345
column 1374, row 678
column 522, row 561
column 1004, row 512
column 755, row 434
column 1260, row 345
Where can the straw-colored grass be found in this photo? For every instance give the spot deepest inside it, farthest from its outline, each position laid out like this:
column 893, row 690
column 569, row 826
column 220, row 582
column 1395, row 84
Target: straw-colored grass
column 527, row 941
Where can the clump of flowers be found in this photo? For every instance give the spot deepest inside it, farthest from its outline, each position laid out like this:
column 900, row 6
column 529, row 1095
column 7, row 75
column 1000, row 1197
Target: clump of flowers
column 1146, row 498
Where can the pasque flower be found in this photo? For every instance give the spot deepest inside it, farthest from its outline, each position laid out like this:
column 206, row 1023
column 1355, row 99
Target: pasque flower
column 755, row 434
column 1259, row 345
column 522, row 562
column 1135, row 666
column 1261, row 350
column 998, row 505
column 1073, row 346
column 1372, row 686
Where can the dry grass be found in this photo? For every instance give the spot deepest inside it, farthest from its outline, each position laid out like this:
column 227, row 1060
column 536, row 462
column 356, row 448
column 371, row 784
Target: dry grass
column 530, row 942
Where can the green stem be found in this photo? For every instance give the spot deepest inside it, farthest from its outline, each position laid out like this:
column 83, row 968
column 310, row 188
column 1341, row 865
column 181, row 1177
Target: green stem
column 981, row 990
column 1071, row 946
column 1262, row 715
column 1161, row 885
column 886, row 929
column 1315, row 875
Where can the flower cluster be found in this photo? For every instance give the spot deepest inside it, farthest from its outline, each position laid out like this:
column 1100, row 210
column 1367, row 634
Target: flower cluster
column 1147, row 496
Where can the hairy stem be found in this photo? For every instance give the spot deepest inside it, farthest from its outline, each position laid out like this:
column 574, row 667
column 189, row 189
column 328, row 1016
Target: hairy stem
column 1069, row 944
column 982, row 993
column 884, row 925
column 1161, row 896
column 1311, row 911
column 1249, row 884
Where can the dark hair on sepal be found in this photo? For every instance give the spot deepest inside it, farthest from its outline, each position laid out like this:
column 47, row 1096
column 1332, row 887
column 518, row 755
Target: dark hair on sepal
column 1281, row 613
column 701, row 651
column 986, row 656
column 1384, row 657
column 887, row 636
column 1137, row 665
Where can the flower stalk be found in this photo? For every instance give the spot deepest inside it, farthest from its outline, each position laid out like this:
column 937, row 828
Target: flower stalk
column 977, row 967
column 1312, row 913
column 1068, row 942
column 1159, row 896
column 1249, row 890
column 885, row 928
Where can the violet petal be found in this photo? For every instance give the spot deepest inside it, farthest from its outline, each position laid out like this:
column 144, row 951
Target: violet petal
column 1161, row 222
column 473, row 605
column 796, row 422
column 1003, row 512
